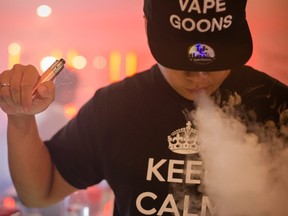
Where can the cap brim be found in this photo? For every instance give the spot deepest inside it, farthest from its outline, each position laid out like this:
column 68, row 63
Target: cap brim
column 172, row 51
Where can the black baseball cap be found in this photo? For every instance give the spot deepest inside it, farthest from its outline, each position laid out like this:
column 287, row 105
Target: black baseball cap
column 198, row 35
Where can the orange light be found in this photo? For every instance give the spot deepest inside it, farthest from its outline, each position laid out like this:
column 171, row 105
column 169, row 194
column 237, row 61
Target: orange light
column 9, row 203
column 70, row 56
column 131, row 63
column 114, row 66
column 14, row 51
column 70, row 111
column 57, row 53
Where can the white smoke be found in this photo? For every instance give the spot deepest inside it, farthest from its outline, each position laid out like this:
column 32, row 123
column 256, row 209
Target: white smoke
column 246, row 173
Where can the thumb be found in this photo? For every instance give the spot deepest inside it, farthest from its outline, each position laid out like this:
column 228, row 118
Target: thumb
column 46, row 90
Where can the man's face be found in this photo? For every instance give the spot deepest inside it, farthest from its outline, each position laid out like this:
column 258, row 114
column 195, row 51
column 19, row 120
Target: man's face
column 188, row 84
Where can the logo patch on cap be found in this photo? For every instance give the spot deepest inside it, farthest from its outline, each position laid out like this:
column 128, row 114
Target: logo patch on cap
column 201, row 54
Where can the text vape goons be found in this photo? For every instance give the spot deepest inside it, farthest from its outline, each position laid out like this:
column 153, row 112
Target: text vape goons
column 203, row 25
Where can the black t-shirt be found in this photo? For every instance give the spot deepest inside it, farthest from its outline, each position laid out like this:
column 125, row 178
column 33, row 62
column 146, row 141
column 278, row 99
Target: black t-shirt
column 122, row 134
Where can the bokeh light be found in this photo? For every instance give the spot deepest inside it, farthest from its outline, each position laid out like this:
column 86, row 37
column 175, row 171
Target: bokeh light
column 70, row 110
column 100, row 62
column 44, row 11
column 14, row 54
column 46, row 62
column 14, row 49
column 57, row 53
column 9, row 203
column 114, row 66
column 79, row 62
column 131, row 63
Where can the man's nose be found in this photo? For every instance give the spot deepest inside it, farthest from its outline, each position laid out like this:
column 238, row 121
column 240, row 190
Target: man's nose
column 196, row 75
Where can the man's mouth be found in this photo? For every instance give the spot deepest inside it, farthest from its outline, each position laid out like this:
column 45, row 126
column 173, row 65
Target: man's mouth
column 197, row 90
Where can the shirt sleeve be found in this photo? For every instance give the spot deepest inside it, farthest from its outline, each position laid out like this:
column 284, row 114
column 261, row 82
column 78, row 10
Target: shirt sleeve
column 73, row 148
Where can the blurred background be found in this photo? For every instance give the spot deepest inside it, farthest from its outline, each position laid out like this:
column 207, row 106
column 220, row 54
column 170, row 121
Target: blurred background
column 102, row 42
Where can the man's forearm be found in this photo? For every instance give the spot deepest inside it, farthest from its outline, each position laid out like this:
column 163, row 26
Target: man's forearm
column 36, row 179
column 29, row 160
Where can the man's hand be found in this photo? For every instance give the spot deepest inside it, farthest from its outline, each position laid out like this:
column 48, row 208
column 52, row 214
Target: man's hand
column 16, row 86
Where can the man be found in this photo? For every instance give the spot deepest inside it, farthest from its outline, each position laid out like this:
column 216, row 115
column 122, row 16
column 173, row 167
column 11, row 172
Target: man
column 137, row 133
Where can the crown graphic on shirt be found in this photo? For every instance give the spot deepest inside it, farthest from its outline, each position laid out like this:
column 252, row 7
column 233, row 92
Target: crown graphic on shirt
column 184, row 140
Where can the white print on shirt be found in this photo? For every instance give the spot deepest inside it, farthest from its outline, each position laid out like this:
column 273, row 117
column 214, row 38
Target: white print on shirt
column 193, row 171
column 184, row 140
column 170, row 206
column 180, row 172
column 188, row 172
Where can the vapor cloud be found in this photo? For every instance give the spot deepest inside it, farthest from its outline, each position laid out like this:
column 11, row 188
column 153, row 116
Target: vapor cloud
column 246, row 170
